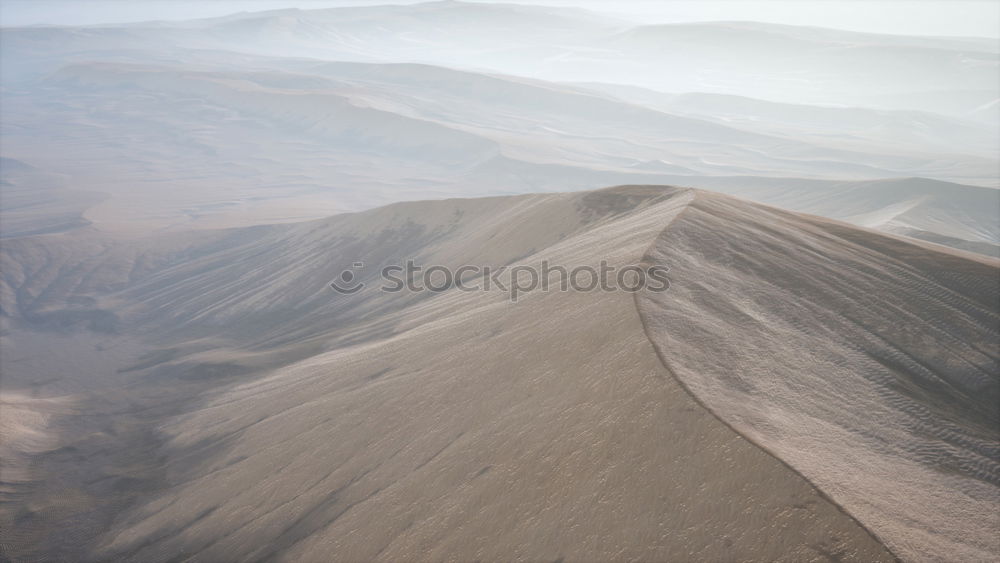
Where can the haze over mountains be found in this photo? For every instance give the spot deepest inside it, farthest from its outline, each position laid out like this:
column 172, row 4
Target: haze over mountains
column 786, row 63
column 252, row 124
column 180, row 382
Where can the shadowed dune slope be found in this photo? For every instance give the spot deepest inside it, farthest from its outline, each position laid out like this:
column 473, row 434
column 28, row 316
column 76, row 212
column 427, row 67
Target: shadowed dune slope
column 866, row 362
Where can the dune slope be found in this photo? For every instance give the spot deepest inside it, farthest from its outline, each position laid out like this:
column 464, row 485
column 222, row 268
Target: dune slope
column 866, row 362
column 448, row 426
column 271, row 418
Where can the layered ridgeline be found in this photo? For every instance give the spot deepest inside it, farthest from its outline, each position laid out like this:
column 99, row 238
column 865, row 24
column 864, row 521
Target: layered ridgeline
column 264, row 145
column 224, row 402
column 293, row 115
column 775, row 62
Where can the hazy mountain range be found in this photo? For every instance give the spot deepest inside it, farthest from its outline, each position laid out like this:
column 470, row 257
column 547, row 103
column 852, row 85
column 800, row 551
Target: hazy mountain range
column 243, row 130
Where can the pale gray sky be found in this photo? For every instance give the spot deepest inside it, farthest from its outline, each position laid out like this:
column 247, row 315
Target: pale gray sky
column 916, row 17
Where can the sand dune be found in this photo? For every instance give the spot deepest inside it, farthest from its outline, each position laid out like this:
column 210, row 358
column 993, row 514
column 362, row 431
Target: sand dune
column 302, row 423
column 868, row 363
column 560, row 455
column 937, row 211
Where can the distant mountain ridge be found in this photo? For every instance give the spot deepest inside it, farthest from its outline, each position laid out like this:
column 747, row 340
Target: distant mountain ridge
column 790, row 63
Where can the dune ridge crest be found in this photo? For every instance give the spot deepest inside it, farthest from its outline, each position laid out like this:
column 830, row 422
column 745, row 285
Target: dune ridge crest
column 823, row 382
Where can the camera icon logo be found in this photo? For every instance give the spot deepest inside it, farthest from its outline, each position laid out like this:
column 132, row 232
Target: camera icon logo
column 345, row 282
